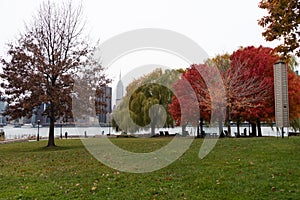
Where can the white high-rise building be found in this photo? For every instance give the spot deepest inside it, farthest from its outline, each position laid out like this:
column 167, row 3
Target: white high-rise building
column 120, row 91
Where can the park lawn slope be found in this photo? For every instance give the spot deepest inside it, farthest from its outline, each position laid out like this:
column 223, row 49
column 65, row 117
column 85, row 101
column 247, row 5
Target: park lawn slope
column 244, row 168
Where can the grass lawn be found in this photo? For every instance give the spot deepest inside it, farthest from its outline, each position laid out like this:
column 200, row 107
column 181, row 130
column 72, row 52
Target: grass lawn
column 243, row 168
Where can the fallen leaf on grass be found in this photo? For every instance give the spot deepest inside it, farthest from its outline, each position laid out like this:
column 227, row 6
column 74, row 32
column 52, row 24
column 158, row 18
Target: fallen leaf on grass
column 273, row 189
column 93, row 188
column 273, row 176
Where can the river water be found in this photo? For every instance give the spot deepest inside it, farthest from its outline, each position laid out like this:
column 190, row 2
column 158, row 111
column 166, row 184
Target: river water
column 19, row 133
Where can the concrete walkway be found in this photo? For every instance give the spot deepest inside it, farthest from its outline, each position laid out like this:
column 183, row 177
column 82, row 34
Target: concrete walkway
column 13, row 140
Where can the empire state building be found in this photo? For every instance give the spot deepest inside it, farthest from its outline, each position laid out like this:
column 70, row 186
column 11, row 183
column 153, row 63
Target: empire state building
column 120, row 91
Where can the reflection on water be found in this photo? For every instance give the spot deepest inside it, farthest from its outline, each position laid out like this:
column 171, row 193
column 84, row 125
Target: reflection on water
column 17, row 133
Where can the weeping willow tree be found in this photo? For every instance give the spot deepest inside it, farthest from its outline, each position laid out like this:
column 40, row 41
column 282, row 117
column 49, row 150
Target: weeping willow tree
column 145, row 105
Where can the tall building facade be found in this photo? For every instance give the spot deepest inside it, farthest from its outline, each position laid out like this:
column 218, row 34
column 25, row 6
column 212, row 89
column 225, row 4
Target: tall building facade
column 3, row 106
column 103, row 103
column 39, row 114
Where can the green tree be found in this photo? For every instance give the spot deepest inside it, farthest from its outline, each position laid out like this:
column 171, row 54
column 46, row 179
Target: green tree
column 282, row 23
column 145, row 104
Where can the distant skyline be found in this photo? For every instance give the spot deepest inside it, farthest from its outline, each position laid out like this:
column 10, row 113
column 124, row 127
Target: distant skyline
column 217, row 26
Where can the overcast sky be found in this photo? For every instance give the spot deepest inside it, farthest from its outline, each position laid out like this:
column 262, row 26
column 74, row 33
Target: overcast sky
column 217, row 26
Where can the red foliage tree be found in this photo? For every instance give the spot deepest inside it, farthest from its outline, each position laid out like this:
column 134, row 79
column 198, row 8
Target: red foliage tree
column 198, row 94
column 249, row 86
column 294, row 95
column 186, row 107
column 259, row 101
column 244, row 88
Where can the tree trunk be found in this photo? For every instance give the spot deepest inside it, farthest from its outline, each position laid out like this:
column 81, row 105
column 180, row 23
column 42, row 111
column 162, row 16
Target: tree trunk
column 198, row 131
column 238, row 128
column 183, row 127
column 249, row 130
column 228, row 129
column 221, row 132
column 152, row 128
column 259, row 133
column 51, row 141
column 253, row 129
column 228, row 122
column 201, row 128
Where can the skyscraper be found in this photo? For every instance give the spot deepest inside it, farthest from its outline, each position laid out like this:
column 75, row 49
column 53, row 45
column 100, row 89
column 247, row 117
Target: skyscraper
column 120, row 91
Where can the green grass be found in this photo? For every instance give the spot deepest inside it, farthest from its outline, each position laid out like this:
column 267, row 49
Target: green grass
column 244, row 168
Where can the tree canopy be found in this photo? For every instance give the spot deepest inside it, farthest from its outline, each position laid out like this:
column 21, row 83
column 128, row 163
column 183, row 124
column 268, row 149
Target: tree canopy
column 282, row 23
column 146, row 102
column 43, row 63
column 248, row 80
